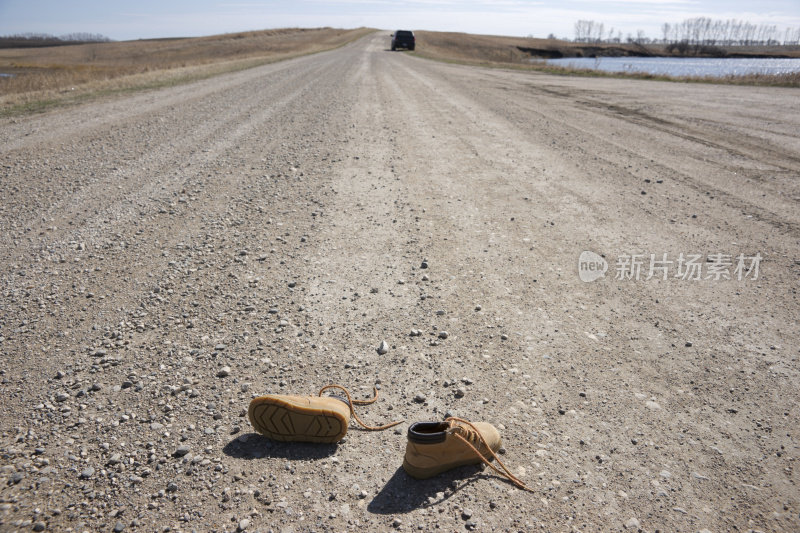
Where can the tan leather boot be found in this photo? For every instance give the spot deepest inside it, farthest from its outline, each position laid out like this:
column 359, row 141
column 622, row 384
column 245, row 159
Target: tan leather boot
column 319, row 418
column 434, row 447
column 299, row 418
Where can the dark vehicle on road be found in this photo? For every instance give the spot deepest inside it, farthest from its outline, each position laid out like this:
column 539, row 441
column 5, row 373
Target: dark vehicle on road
column 403, row 39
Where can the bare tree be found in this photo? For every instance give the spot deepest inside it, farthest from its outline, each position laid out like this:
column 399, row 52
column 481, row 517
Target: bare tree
column 695, row 32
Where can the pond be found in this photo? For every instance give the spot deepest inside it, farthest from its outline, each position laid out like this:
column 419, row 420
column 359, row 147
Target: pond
column 684, row 66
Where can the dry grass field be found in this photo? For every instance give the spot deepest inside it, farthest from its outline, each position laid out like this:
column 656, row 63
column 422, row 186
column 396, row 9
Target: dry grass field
column 49, row 75
column 522, row 53
column 497, row 49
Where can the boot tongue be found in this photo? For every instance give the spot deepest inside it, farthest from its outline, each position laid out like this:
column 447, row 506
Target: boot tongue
column 462, row 429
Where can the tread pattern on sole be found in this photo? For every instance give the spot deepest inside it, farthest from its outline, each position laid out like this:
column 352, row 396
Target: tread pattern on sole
column 279, row 421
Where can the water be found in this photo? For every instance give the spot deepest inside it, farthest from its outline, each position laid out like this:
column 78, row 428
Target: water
column 683, row 66
column 4, row 75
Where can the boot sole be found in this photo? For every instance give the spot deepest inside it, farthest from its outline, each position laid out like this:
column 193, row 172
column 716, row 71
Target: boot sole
column 283, row 421
column 425, row 473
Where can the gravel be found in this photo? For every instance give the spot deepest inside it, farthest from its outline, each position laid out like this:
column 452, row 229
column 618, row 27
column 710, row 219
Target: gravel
column 245, row 235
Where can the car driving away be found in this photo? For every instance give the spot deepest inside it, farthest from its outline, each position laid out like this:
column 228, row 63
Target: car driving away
column 403, row 39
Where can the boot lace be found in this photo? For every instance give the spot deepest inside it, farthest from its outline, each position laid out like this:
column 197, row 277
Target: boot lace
column 351, row 402
column 469, row 435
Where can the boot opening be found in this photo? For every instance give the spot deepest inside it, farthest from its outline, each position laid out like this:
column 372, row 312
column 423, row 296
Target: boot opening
column 427, row 432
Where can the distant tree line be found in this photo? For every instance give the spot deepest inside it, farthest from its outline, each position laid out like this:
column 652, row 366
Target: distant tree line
column 29, row 40
column 700, row 31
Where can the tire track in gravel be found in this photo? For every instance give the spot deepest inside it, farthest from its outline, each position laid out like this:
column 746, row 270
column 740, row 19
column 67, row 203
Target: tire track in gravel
column 579, row 132
column 145, row 221
column 748, row 151
column 201, row 142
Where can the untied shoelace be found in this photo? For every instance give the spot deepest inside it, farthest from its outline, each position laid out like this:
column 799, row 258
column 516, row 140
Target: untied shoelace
column 459, row 426
column 351, row 402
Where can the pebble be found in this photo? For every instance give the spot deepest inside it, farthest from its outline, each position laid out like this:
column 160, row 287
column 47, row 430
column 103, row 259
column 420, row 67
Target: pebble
column 224, row 372
column 632, row 523
column 420, row 398
column 62, row 397
column 383, row 348
column 244, row 524
column 87, row 472
column 220, row 347
column 653, row 406
column 396, row 523
column 181, row 450
column 460, row 392
column 39, row 526
column 119, row 527
column 466, row 513
column 478, row 307
column 443, row 334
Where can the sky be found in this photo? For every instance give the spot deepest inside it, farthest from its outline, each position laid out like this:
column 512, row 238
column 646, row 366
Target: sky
column 142, row 19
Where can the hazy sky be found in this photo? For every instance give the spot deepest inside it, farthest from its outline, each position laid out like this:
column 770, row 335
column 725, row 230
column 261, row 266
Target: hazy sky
column 134, row 19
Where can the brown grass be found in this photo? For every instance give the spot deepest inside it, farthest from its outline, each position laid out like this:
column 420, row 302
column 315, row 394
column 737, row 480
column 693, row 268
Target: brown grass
column 499, row 51
column 485, row 48
column 50, row 75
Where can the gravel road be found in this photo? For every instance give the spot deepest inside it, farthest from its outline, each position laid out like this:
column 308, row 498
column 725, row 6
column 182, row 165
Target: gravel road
column 170, row 254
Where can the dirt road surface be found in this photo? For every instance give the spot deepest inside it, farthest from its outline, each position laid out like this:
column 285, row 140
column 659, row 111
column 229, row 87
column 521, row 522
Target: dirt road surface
column 167, row 256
